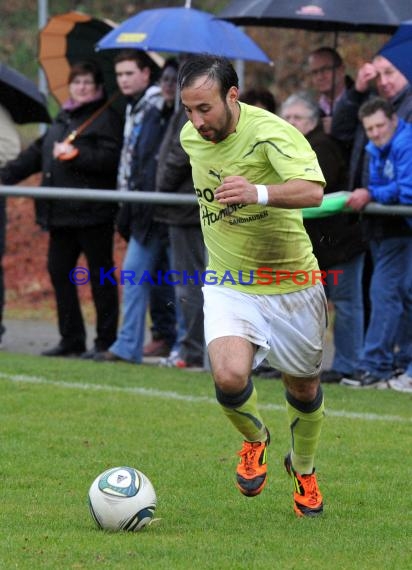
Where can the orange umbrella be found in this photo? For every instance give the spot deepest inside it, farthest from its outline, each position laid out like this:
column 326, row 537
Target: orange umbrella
column 68, row 38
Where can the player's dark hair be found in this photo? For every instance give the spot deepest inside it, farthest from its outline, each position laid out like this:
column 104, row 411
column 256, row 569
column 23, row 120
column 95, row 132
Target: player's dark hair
column 215, row 68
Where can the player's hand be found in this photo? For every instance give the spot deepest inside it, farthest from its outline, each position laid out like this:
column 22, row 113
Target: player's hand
column 358, row 199
column 236, row 190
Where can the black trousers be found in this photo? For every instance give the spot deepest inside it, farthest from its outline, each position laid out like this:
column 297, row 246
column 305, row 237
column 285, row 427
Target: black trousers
column 188, row 256
column 65, row 247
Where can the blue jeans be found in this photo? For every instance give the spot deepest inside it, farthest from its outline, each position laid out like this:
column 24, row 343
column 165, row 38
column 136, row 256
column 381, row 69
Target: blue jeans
column 140, row 260
column 391, row 306
column 347, row 298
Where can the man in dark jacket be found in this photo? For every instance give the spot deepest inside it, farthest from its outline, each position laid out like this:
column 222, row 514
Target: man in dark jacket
column 174, row 174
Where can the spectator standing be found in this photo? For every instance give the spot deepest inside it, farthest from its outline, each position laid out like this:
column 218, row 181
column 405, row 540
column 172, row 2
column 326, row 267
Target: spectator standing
column 147, row 115
column 9, row 148
column 335, row 241
column 389, row 182
column 376, row 77
column 329, row 80
column 174, row 174
column 252, row 173
column 86, row 160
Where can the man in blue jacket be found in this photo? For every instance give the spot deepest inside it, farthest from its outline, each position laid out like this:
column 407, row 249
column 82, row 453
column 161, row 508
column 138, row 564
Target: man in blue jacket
column 390, row 182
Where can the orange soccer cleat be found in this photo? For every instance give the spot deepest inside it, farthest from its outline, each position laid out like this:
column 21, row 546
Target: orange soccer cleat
column 252, row 468
column 307, row 496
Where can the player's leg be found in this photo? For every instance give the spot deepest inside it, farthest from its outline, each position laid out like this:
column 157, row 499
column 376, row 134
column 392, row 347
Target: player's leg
column 231, row 363
column 297, row 348
column 305, row 410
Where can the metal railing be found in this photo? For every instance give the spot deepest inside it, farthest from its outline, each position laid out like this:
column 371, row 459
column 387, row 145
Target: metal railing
column 98, row 195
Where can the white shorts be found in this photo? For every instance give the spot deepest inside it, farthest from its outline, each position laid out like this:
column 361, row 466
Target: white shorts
column 288, row 329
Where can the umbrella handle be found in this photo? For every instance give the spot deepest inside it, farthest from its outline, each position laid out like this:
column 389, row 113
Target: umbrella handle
column 71, row 137
column 74, row 151
column 69, row 155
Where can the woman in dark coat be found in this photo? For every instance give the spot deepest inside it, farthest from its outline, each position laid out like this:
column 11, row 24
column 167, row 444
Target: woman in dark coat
column 86, row 160
column 337, row 242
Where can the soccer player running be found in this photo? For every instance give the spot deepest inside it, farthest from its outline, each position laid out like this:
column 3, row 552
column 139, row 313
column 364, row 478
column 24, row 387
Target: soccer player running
column 253, row 172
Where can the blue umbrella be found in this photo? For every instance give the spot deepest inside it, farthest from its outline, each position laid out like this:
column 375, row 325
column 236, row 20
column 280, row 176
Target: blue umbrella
column 182, row 30
column 398, row 49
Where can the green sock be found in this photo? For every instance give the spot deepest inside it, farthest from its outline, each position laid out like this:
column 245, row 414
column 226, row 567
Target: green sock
column 305, row 420
column 242, row 411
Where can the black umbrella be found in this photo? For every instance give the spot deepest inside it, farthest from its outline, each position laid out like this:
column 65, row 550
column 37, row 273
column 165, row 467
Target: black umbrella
column 382, row 16
column 21, row 97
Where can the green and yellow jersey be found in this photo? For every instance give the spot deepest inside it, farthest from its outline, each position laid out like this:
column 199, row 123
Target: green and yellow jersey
column 243, row 239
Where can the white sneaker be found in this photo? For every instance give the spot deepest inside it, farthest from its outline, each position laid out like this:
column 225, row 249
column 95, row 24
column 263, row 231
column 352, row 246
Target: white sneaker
column 402, row 383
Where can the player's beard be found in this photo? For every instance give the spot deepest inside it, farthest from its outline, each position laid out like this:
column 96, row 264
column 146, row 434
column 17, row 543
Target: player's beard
column 219, row 133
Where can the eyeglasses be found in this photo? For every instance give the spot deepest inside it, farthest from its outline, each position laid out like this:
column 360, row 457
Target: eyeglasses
column 322, row 70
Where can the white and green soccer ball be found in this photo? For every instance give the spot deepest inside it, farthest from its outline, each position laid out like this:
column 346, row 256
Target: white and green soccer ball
column 122, row 498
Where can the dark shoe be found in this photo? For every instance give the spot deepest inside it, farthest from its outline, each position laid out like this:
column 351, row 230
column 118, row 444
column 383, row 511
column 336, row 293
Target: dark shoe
column 108, row 356
column 354, row 380
column 369, row 380
column 366, row 380
column 265, row 370
column 157, row 347
column 331, row 377
column 62, row 350
column 307, row 497
column 90, row 354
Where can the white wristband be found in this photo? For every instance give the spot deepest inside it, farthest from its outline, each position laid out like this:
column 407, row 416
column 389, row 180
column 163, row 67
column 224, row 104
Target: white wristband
column 262, row 193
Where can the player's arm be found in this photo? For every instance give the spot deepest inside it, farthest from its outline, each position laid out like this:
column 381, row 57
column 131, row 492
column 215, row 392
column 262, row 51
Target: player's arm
column 292, row 194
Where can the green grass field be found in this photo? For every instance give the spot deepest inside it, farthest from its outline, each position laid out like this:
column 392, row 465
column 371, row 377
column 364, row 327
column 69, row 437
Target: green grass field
column 65, row 421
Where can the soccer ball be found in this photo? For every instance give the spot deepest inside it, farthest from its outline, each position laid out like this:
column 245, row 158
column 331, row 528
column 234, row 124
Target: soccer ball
column 122, row 498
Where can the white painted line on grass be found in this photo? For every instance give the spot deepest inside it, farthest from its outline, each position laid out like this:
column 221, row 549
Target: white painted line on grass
column 169, row 395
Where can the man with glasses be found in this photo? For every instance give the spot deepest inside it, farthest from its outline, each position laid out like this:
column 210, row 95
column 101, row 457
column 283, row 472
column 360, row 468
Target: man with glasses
column 329, row 80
